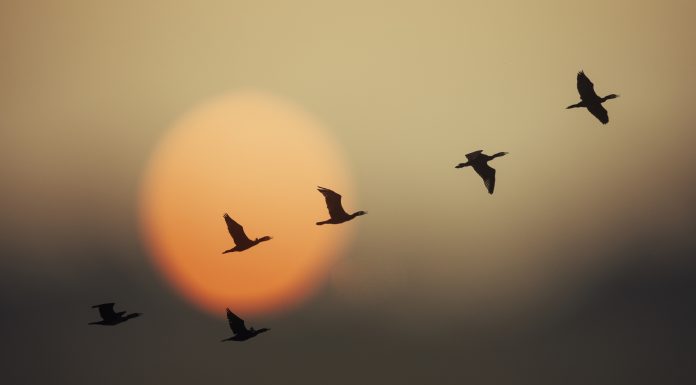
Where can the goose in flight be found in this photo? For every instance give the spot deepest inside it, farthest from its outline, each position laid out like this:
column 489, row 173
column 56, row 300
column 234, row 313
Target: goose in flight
column 590, row 100
column 110, row 317
column 241, row 333
column 479, row 161
column 241, row 241
column 336, row 211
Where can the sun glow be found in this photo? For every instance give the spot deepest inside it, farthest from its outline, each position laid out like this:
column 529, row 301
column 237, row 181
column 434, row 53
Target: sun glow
column 258, row 158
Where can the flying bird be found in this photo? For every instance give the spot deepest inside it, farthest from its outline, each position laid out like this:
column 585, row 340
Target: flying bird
column 109, row 317
column 590, row 100
column 241, row 333
column 336, row 211
column 479, row 161
column 241, row 241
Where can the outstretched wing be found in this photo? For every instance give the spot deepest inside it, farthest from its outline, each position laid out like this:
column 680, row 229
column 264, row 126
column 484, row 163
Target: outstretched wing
column 586, row 88
column 236, row 231
column 333, row 203
column 487, row 173
column 236, row 323
column 106, row 311
column 473, row 155
column 599, row 112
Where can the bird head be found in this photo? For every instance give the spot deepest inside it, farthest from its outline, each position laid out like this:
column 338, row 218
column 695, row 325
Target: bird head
column 612, row 96
column 133, row 315
column 263, row 239
column 359, row 213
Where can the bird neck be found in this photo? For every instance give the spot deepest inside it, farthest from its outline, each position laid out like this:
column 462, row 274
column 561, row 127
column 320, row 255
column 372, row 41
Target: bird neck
column 262, row 239
column 357, row 214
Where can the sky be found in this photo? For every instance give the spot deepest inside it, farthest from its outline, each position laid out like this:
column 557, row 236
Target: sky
column 579, row 269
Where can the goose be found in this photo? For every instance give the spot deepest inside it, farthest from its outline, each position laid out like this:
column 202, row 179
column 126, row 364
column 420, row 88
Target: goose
column 336, row 211
column 241, row 241
column 479, row 161
column 109, row 317
column 241, row 333
column 590, row 100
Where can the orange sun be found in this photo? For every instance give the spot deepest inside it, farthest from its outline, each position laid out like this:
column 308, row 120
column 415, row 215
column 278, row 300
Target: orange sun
column 259, row 159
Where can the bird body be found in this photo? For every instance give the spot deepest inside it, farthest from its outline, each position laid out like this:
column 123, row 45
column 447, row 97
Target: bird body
column 110, row 317
column 241, row 241
column 336, row 211
column 590, row 100
column 479, row 162
column 241, row 333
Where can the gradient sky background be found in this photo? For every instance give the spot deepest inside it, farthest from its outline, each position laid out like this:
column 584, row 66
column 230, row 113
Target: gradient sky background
column 580, row 269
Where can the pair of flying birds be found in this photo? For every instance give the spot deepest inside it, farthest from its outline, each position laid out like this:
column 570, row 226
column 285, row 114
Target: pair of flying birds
column 111, row 318
column 477, row 160
column 588, row 99
column 333, row 203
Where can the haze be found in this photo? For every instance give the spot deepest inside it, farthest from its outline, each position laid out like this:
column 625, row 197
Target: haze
column 578, row 270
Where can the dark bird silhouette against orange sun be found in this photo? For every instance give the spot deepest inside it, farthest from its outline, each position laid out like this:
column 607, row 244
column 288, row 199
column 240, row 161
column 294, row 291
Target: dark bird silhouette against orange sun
column 241, row 241
column 336, row 211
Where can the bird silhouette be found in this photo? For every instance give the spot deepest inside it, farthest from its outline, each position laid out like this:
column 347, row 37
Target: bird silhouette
column 479, row 161
column 109, row 317
column 241, row 241
column 336, row 211
column 590, row 100
column 241, row 333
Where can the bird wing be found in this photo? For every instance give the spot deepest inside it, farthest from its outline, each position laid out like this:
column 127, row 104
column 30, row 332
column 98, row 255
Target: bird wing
column 236, row 231
column 599, row 112
column 473, row 155
column 488, row 174
column 586, row 88
column 106, row 311
column 236, row 323
column 333, row 202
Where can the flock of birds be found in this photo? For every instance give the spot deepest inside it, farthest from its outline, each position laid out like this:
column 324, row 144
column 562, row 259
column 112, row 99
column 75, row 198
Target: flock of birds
column 477, row 160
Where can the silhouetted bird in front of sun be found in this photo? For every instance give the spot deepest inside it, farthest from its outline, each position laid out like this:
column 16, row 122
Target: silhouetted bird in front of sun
column 336, row 211
column 479, row 161
column 109, row 317
column 241, row 241
column 590, row 100
column 241, row 333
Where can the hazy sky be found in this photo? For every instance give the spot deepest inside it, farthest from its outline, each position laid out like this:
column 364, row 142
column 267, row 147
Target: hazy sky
column 578, row 270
